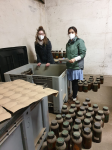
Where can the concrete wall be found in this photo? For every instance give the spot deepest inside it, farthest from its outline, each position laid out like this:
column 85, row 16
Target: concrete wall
column 93, row 19
column 19, row 20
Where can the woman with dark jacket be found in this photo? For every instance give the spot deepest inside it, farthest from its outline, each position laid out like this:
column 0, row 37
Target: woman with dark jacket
column 43, row 48
column 75, row 52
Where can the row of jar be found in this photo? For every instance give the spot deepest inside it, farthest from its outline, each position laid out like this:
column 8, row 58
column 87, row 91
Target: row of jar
column 76, row 138
column 85, row 86
column 58, row 54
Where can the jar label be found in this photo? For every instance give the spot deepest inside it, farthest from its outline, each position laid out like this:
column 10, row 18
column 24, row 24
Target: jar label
column 96, row 138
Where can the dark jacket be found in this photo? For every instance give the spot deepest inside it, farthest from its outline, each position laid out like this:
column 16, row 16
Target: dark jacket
column 74, row 49
column 44, row 54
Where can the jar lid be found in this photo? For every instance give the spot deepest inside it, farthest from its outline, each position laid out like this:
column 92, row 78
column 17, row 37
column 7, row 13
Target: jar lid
column 60, row 141
column 77, row 121
column 63, row 115
column 87, row 130
column 73, row 106
column 82, row 108
column 95, row 83
column 105, row 108
column 68, row 116
column 88, row 81
column 51, row 135
column 71, row 111
column 76, row 135
column 85, row 83
column 80, row 114
column 100, row 112
column 64, row 51
column 87, row 100
column 54, row 122
column 97, row 125
column 88, row 115
column 91, row 76
column 58, row 117
column 90, row 109
column 77, row 102
column 85, row 103
column 75, row 128
column 59, row 51
column 80, row 83
column 64, row 106
column 64, row 133
column 101, row 76
column 56, row 51
column 95, row 106
column 97, row 118
column 86, row 121
column 66, row 124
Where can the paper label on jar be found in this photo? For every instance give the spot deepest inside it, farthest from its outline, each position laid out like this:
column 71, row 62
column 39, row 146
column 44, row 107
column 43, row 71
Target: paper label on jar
column 96, row 138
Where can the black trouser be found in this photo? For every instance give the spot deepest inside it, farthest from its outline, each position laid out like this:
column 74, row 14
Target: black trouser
column 75, row 88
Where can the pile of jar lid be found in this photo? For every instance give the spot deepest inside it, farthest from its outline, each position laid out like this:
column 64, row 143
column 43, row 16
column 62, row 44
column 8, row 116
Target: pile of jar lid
column 58, row 54
column 77, row 127
column 85, row 86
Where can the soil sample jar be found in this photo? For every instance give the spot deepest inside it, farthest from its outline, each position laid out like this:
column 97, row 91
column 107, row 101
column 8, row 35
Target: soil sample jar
column 101, row 79
column 87, row 123
column 98, row 119
column 100, row 113
column 97, row 132
column 79, row 123
column 77, row 103
column 80, row 116
column 89, row 85
column 85, row 104
column 60, row 54
column 74, row 107
column 72, row 113
column 57, row 55
column 63, row 116
column 80, row 86
column 95, row 86
column 66, row 137
column 76, row 141
column 55, row 127
column 89, row 116
column 85, row 87
column 106, row 113
column 69, row 119
column 88, row 101
column 87, row 138
column 91, row 80
column 95, row 108
column 91, row 111
column 98, row 81
column 76, row 129
column 60, row 122
column 64, row 109
column 83, row 110
column 51, row 141
column 60, row 144
column 66, row 126
column 64, row 54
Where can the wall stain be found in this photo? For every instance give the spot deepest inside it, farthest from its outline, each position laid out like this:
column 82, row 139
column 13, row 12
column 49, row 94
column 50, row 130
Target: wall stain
column 32, row 9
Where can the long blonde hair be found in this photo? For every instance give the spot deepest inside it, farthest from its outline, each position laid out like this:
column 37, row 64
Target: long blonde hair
column 45, row 40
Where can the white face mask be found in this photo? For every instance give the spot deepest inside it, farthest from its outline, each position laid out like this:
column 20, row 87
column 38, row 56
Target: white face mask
column 41, row 37
column 71, row 36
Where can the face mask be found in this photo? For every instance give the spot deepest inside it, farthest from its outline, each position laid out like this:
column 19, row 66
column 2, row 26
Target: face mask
column 41, row 37
column 71, row 36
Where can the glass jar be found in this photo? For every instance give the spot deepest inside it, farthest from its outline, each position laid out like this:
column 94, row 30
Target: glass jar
column 72, row 113
column 60, row 54
column 60, row 144
column 76, row 141
column 91, row 111
column 89, row 85
column 91, row 80
column 77, row 103
column 55, row 127
column 98, row 81
column 100, row 113
column 83, row 110
column 80, row 116
column 60, row 122
column 66, row 126
column 85, row 87
column 76, row 128
column 101, row 79
column 69, row 119
column 74, row 107
column 79, row 123
column 64, row 109
column 51, row 141
column 87, row 138
column 66, row 137
column 98, row 119
column 56, row 55
column 63, row 116
column 88, row 101
column 106, row 113
column 89, row 116
column 64, row 54
column 97, row 132
column 95, row 108
column 95, row 86
column 87, row 123
column 80, row 86
column 85, row 104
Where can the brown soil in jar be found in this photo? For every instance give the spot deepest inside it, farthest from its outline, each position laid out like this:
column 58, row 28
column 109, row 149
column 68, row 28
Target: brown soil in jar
column 55, row 127
column 60, row 122
column 51, row 141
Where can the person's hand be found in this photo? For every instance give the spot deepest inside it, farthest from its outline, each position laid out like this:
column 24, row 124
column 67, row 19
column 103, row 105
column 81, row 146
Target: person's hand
column 39, row 64
column 72, row 60
column 48, row 64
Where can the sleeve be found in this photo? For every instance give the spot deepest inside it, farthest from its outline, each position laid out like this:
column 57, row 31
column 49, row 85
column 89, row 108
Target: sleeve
column 82, row 49
column 49, row 55
column 38, row 57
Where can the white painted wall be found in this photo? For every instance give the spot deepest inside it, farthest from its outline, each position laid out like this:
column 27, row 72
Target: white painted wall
column 19, row 20
column 93, row 19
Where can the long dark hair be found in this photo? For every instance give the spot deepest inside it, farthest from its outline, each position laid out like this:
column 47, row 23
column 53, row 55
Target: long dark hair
column 73, row 28
column 45, row 40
